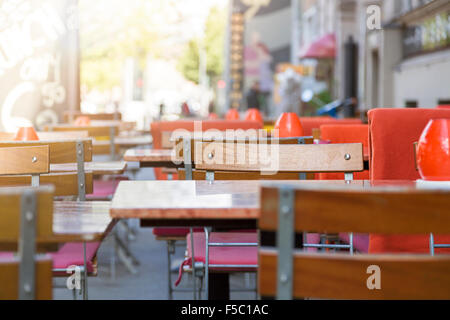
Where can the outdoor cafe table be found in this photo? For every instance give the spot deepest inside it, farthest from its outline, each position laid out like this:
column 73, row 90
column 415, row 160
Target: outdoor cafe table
column 151, row 158
column 87, row 221
column 217, row 204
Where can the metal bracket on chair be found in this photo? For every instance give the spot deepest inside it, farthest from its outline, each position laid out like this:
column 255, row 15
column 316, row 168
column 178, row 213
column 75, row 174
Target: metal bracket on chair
column 187, row 158
column 27, row 245
column 35, row 180
column 80, row 171
column 285, row 243
column 210, row 176
column 349, row 176
column 112, row 146
column 302, row 175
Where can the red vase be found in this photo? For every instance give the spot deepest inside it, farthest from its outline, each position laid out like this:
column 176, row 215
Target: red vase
column 254, row 115
column 26, row 134
column 232, row 114
column 433, row 151
column 82, row 121
column 289, row 126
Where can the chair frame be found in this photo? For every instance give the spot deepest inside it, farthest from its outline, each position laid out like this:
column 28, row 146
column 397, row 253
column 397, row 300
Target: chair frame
column 357, row 166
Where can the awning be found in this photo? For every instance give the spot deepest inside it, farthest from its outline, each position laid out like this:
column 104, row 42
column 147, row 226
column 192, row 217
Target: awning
column 324, row 48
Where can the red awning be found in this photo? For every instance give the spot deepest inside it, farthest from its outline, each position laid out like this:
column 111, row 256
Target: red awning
column 324, row 48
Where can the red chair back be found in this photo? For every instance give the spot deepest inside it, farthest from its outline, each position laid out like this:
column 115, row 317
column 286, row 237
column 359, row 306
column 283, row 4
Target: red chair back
column 350, row 133
column 309, row 124
column 391, row 137
column 157, row 129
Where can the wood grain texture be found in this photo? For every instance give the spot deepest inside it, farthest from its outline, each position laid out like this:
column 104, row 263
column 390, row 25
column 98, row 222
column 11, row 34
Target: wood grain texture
column 283, row 158
column 385, row 211
column 232, row 175
column 93, row 131
column 184, row 200
column 24, row 160
column 10, row 199
column 60, row 151
column 345, row 277
column 9, row 279
column 149, row 155
column 65, row 183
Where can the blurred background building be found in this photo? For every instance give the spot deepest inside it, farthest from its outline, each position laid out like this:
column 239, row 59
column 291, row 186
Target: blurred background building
column 146, row 56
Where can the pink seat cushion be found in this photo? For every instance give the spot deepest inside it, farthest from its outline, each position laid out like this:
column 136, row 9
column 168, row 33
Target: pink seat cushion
column 225, row 255
column 105, row 188
column 360, row 241
column 71, row 254
column 6, row 255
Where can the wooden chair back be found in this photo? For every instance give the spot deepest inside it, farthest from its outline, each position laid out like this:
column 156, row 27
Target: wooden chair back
column 218, row 156
column 288, row 274
column 26, row 220
column 71, row 116
column 58, row 152
column 103, row 136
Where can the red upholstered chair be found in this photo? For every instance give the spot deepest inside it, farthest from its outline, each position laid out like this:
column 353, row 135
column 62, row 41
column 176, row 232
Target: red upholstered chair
column 309, row 124
column 346, row 133
column 391, row 138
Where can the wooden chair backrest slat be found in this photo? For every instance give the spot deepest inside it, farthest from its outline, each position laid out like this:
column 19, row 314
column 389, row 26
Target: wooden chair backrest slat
column 399, row 212
column 60, row 151
column 24, row 160
column 93, row 131
column 10, row 199
column 333, row 276
column 345, row 276
column 288, row 158
column 9, row 278
column 232, row 175
column 65, row 183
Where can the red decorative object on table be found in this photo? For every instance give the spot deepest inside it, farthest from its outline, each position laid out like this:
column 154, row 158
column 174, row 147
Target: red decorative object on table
column 254, row 115
column 26, row 134
column 289, row 126
column 433, row 151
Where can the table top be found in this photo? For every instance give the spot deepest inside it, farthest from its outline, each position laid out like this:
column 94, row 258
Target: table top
column 198, row 203
column 97, row 168
column 150, row 156
column 81, row 221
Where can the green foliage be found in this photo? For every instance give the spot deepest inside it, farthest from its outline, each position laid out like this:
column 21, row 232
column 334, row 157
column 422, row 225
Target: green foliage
column 213, row 42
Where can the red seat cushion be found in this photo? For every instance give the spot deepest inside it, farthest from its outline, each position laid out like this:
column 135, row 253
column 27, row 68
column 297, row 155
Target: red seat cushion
column 360, row 241
column 391, row 138
column 310, row 123
column 347, row 133
column 225, row 255
column 72, row 254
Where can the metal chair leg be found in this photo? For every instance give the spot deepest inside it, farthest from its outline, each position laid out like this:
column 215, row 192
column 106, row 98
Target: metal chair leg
column 170, row 251
column 85, row 274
